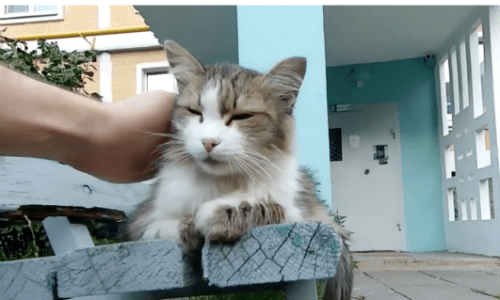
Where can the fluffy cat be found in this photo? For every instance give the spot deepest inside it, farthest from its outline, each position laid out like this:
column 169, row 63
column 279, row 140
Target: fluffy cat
column 231, row 163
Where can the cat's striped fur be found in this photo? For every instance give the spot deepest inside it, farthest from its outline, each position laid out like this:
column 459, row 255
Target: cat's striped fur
column 231, row 163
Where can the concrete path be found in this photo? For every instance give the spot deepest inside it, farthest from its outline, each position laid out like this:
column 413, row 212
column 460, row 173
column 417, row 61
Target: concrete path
column 426, row 276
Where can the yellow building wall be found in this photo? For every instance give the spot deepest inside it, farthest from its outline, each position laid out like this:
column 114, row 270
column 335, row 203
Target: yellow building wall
column 125, row 15
column 124, row 70
column 76, row 17
column 85, row 17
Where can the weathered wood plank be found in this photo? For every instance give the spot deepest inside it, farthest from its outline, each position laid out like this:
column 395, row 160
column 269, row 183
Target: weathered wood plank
column 127, row 267
column 267, row 257
column 275, row 253
column 31, row 181
column 28, row 279
column 41, row 212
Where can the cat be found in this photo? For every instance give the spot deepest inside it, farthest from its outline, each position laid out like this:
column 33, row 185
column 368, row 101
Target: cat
column 230, row 164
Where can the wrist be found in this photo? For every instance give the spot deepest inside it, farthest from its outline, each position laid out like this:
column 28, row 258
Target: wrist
column 83, row 137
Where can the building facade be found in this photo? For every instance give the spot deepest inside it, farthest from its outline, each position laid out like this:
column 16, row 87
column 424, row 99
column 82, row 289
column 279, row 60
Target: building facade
column 127, row 63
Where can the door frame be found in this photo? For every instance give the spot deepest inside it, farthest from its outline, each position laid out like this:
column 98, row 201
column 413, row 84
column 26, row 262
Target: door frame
column 401, row 211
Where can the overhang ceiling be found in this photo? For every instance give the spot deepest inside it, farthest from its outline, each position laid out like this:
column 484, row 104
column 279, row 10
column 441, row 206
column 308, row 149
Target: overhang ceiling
column 366, row 34
column 353, row 34
column 210, row 33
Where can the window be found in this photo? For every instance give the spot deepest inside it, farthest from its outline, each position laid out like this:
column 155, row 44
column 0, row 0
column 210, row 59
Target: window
column 445, row 97
column 486, row 200
column 335, row 144
column 452, row 205
column 476, row 50
column 10, row 14
column 483, row 153
column 155, row 76
column 449, row 156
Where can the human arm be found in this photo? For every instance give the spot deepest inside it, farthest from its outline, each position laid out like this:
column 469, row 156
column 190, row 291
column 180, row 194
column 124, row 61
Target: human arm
column 110, row 141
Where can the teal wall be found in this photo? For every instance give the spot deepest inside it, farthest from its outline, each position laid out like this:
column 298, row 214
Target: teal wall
column 411, row 85
column 268, row 34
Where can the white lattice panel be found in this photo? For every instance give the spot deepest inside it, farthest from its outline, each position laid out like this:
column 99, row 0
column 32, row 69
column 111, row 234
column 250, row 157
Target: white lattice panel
column 467, row 82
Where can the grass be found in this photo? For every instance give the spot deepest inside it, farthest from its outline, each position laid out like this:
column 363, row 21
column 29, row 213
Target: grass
column 263, row 295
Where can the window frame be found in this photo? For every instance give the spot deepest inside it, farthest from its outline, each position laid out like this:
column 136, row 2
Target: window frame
column 144, row 69
column 30, row 16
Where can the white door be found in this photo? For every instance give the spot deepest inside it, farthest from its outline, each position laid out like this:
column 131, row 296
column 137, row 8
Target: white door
column 365, row 188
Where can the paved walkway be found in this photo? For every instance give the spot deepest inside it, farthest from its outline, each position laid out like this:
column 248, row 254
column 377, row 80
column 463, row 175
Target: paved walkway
column 426, row 276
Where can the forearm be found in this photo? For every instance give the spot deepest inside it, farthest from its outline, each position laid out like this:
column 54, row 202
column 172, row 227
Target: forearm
column 41, row 120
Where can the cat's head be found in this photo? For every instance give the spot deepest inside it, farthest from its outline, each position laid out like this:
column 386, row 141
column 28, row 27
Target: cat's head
column 229, row 119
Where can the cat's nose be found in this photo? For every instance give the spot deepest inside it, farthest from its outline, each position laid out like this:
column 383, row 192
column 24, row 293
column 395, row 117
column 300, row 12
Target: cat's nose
column 210, row 144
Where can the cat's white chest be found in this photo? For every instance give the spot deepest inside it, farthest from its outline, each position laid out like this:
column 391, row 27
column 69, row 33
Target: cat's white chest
column 181, row 191
column 185, row 191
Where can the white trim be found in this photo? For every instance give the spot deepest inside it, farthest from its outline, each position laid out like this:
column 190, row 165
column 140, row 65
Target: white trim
column 142, row 71
column 107, row 43
column 105, row 77
column 31, row 17
column 104, row 16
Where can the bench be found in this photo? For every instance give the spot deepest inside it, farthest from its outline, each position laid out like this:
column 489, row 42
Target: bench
column 289, row 257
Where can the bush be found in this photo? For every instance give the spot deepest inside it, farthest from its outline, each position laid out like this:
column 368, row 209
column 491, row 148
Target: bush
column 66, row 69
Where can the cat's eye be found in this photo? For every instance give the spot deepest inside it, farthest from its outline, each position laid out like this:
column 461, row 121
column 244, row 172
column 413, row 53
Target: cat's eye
column 194, row 112
column 241, row 116
column 237, row 117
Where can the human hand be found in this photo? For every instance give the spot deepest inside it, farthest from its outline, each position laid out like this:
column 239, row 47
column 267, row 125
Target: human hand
column 125, row 147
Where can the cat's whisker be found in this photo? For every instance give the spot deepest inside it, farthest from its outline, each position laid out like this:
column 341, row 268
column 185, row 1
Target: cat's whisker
column 249, row 172
column 251, row 166
column 176, row 154
column 175, row 141
column 253, row 162
column 181, row 157
column 278, row 150
column 260, row 157
column 169, row 135
column 231, row 170
column 243, row 166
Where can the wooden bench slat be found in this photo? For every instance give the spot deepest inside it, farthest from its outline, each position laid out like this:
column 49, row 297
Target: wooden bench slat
column 28, row 278
column 40, row 212
column 127, row 267
column 32, row 181
column 268, row 256
column 301, row 251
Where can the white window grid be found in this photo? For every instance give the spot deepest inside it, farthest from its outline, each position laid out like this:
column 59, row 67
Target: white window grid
column 31, row 15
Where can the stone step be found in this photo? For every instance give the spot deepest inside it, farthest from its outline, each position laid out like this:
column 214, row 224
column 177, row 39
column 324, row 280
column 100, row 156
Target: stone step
column 423, row 261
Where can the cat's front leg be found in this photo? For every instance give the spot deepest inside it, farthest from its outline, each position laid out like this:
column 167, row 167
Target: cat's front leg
column 191, row 238
column 226, row 220
column 162, row 229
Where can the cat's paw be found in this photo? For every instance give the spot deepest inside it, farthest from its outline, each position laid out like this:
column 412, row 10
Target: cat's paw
column 223, row 222
column 227, row 222
column 162, row 229
column 191, row 239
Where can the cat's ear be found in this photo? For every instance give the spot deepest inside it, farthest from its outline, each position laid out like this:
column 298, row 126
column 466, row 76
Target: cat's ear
column 286, row 78
column 183, row 64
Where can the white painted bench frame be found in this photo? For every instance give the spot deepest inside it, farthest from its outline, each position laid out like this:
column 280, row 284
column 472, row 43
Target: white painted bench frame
column 281, row 256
